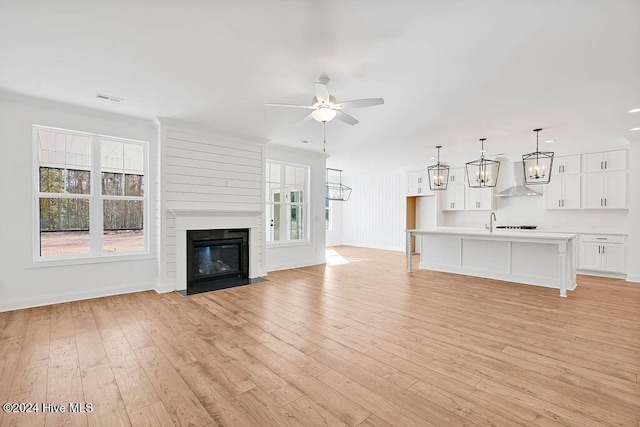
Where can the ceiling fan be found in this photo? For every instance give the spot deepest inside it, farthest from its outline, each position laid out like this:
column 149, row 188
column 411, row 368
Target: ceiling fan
column 326, row 108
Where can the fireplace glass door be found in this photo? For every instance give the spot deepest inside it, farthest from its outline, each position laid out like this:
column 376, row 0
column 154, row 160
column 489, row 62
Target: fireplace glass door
column 217, row 259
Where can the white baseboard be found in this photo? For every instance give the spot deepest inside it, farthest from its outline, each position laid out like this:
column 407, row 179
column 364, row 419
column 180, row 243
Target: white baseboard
column 295, row 265
column 635, row 279
column 165, row 287
column 602, row 274
column 41, row 300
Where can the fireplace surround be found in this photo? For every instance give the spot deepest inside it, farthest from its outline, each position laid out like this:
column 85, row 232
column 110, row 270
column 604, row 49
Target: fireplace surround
column 181, row 221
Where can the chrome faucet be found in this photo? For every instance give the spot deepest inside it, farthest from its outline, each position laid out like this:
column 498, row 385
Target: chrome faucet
column 492, row 218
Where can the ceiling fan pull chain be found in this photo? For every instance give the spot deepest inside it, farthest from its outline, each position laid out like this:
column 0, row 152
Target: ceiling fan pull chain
column 324, row 137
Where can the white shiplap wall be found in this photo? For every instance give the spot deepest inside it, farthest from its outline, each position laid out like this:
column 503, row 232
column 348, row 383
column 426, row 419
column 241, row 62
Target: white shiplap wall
column 375, row 215
column 206, row 171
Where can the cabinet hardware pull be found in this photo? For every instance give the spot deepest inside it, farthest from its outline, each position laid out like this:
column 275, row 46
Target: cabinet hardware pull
column 602, row 248
column 599, row 248
column 558, row 202
column 600, row 165
column 601, row 238
column 600, row 202
column 605, row 166
column 605, row 201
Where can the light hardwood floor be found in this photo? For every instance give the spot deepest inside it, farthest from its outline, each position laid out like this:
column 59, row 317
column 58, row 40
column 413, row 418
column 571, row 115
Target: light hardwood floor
column 358, row 343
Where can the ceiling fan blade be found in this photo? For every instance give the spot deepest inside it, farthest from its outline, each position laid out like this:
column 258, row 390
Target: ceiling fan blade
column 358, row 103
column 308, row 107
column 322, row 92
column 344, row 117
column 303, row 120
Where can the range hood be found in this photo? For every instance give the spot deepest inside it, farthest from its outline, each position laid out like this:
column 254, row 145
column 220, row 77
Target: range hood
column 511, row 180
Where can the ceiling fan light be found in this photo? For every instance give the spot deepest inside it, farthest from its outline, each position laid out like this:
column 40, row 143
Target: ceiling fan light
column 323, row 114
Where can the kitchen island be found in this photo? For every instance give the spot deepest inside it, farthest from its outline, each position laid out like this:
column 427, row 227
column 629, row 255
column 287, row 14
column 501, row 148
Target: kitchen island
column 529, row 257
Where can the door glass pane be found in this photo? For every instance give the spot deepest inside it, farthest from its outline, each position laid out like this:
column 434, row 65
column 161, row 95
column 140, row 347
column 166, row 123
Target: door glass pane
column 296, row 223
column 273, row 192
column 272, row 216
column 64, row 227
column 123, row 225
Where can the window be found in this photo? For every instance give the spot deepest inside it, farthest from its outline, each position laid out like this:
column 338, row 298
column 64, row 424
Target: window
column 287, row 202
column 90, row 194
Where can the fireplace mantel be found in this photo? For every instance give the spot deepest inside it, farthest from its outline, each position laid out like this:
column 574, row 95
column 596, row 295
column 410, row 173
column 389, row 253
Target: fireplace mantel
column 211, row 212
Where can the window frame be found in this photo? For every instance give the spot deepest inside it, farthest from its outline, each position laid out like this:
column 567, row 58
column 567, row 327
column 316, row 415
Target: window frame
column 96, row 199
column 306, row 205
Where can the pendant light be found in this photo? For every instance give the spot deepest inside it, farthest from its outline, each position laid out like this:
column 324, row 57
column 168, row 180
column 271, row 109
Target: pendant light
column 438, row 174
column 537, row 166
column 483, row 172
column 335, row 189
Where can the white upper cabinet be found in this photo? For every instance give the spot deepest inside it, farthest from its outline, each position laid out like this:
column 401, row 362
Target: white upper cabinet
column 566, row 165
column 606, row 161
column 479, row 199
column 606, row 190
column 452, row 199
column 604, row 182
column 418, row 184
column 563, row 192
column 457, row 176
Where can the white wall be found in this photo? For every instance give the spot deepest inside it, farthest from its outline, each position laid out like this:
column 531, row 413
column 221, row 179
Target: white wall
column 280, row 257
column 633, row 259
column 375, row 215
column 334, row 234
column 25, row 283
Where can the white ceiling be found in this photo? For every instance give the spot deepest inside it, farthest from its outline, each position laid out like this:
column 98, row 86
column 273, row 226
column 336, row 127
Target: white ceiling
column 450, row 71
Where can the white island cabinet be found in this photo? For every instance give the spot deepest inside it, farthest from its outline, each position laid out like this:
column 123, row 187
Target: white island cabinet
column 529, row 257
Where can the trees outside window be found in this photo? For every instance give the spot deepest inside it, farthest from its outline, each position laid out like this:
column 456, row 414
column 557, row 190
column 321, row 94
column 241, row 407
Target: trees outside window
column 90, row 194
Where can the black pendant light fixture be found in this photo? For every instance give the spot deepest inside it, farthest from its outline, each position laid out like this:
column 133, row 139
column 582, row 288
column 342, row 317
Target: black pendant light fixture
column 537, row 166
column 438, row 174
column 483, row 172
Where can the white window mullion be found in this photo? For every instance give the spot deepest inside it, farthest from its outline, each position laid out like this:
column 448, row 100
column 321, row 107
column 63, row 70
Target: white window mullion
column 284, row 224
column 95, row 206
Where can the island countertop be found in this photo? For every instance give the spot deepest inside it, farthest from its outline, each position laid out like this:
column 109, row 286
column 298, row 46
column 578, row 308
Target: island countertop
column 522, row 256
column 496, row 233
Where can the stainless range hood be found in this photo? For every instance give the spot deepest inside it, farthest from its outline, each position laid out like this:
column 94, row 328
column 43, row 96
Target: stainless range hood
column 511, row 180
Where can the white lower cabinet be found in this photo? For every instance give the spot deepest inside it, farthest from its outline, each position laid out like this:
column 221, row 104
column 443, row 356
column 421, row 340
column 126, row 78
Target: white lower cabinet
column 604, row 253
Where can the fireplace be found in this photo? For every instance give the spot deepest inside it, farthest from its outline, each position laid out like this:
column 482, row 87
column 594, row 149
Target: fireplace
column 217, row 259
